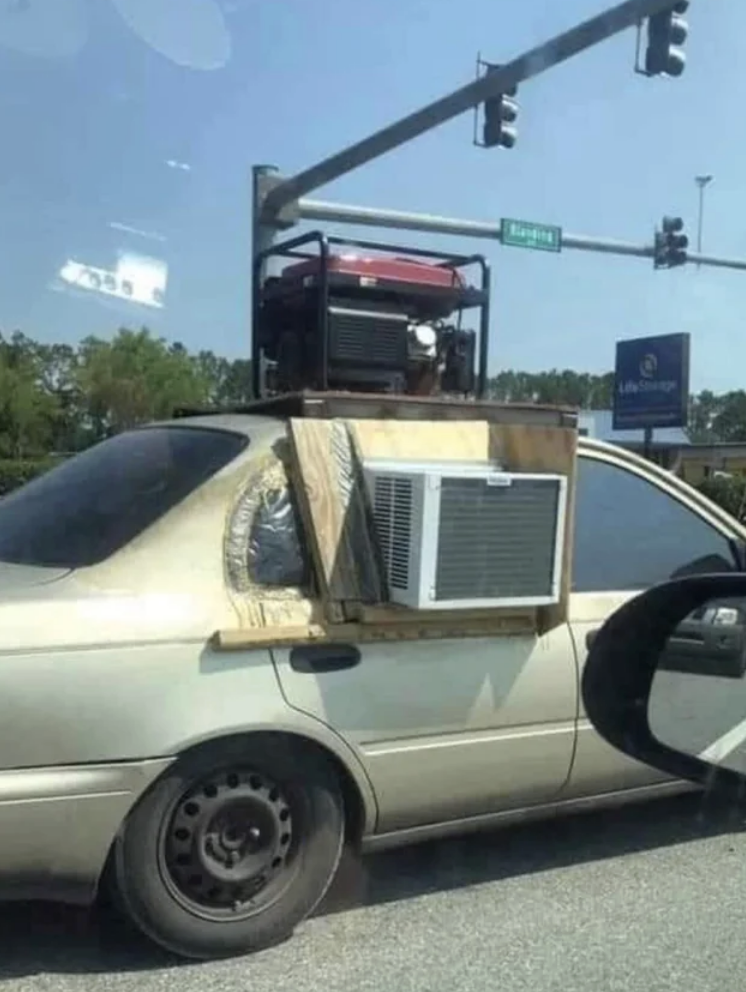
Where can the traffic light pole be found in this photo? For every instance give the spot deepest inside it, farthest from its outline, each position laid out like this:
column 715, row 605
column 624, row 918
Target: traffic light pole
column 532, row 63
column 342, row 213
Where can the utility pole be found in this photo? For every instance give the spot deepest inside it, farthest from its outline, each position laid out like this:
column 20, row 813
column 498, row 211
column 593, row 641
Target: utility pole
column 702, row 182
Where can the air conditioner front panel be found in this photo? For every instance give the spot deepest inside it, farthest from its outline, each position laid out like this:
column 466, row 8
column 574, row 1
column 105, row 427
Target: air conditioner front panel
column 461, row 537
column 497, row 543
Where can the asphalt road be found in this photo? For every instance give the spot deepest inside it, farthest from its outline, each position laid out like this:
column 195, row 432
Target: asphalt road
column 645, row 899
column 700, row 715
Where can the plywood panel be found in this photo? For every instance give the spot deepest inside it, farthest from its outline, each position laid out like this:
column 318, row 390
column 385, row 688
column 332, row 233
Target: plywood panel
column 291, row 612
column 327, row 456
column 334, row 506
column 529, row 448
column 422, row 439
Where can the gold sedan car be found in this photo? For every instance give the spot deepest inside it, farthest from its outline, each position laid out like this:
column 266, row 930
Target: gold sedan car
column 214, row 791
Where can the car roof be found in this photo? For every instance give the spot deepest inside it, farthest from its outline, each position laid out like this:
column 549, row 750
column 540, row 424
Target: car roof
column 238, row 423
column 249, row 423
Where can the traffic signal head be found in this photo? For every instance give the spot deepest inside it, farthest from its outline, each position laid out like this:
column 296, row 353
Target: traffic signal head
column 500, row 116
column 667, row 33
column 672, row 225
column 660, row 254
column 671, row 244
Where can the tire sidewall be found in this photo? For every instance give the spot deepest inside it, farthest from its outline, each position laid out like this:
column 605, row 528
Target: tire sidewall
column 310, row 783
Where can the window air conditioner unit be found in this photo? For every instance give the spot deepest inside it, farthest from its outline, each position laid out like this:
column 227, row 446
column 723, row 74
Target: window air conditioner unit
column 468, row 536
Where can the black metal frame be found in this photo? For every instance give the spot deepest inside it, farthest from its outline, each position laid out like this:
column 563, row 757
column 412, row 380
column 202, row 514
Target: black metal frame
column 293, row 249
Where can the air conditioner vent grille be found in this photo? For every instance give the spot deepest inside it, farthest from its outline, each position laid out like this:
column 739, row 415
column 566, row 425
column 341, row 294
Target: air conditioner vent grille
column 495, row 542
column 457, row 535
column 392, row 505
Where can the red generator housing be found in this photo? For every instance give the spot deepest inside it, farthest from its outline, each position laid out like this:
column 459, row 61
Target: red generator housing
column 338, row 320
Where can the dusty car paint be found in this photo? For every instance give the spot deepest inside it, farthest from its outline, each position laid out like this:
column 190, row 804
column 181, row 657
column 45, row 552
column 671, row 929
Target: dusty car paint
column 108, row 673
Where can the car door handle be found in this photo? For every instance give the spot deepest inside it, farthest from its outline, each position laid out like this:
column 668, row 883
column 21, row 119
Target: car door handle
column 590, row 637
column 314, row 659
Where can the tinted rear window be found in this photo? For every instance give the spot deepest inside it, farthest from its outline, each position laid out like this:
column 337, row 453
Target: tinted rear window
column 84, row 510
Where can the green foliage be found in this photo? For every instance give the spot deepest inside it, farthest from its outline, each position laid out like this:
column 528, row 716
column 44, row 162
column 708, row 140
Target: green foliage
column 715, row 418
column 27, row 411
column 136, row 378
column 54, row 397
column 728, row 492
column 17, row 472
column 566, row 387
column 60, row 398
column 57, row 398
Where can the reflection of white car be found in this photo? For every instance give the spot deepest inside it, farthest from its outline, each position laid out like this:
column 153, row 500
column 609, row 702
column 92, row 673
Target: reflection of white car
column 711, row 641
column 136, row 279
column 214, row 790
column 722, row 616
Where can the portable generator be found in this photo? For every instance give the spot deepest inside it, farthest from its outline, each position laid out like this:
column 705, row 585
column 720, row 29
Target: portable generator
column 338, row 319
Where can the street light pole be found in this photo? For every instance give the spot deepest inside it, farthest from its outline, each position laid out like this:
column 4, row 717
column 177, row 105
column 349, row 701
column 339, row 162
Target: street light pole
column 702, row 182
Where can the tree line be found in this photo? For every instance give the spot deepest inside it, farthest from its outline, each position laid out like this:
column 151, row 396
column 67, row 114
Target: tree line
column 56, row 399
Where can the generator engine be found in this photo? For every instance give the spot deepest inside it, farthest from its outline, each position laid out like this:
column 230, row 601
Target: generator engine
column 367, row 324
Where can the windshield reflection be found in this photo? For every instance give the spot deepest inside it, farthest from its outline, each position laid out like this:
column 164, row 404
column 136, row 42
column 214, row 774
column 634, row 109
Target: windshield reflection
column 106, row 212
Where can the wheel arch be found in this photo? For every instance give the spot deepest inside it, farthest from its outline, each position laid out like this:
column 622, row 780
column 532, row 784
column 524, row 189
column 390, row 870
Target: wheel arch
column 360, row 805
column 357, row 793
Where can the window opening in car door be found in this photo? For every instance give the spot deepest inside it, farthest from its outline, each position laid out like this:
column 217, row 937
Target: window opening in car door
column 630, row 534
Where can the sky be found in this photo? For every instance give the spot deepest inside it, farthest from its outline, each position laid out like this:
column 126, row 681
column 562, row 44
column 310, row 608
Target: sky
column 126, row 116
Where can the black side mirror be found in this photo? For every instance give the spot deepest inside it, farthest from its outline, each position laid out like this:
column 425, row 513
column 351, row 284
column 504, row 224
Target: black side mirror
column 665, row 680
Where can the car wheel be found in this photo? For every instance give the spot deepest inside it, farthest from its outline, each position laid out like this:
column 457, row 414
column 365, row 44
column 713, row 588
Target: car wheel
column 232, row 847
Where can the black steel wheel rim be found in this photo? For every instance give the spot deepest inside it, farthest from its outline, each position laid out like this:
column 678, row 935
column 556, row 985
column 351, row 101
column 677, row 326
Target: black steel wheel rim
column 228, row 845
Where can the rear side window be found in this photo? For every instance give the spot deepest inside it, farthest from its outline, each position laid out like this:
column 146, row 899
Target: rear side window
column 86, row 509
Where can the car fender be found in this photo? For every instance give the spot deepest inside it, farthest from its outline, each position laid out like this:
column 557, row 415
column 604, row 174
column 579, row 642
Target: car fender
column 120, row 703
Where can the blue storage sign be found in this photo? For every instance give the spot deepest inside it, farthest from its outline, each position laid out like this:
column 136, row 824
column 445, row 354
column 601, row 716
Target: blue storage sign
column 651, row 382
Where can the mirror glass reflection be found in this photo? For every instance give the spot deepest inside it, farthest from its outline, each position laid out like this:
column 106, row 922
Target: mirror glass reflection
column 697, row 702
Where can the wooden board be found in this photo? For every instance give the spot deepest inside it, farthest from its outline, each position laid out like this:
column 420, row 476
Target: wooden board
column 510, row 619
column 335, row 511
column 451, row 627
column 380, row 406
column 291, row 613
column 529, row 448
column 422, row 439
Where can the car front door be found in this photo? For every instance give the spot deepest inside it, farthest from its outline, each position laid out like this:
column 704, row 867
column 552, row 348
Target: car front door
column 447, row 728
column 633, row 529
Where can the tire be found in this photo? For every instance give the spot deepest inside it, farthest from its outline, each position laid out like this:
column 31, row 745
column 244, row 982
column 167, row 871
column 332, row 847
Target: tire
column 233, row 847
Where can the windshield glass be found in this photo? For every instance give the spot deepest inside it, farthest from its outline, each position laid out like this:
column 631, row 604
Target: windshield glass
column 528, row 236
column 84, row 510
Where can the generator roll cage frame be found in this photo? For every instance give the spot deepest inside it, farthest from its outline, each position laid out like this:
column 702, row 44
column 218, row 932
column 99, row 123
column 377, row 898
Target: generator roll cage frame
column 469, row 297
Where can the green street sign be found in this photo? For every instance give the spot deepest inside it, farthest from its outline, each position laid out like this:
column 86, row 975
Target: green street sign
column 525, row 234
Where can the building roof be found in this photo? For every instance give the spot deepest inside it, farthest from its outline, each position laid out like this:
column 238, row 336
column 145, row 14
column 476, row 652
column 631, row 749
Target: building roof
column 598, row 424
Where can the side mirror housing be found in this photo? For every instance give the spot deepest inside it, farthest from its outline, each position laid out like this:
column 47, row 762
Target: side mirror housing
column 665, row 680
